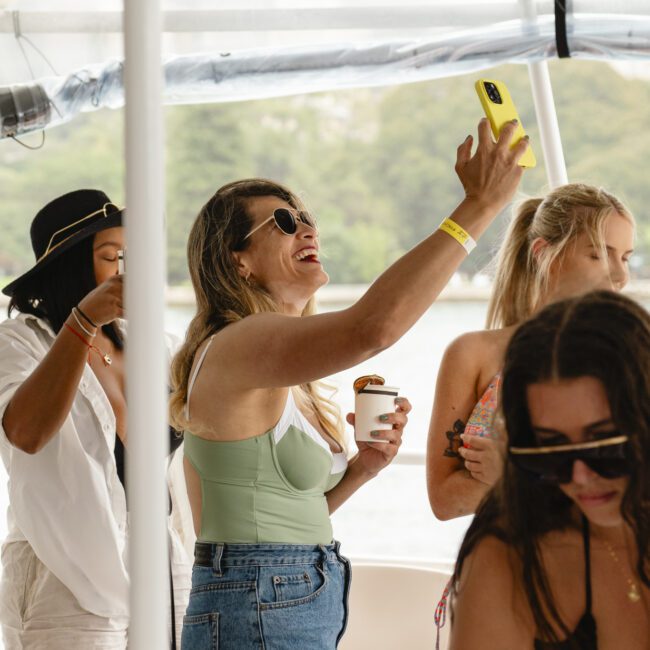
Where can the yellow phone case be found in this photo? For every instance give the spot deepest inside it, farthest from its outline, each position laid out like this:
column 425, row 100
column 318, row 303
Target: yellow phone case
column 498, row 113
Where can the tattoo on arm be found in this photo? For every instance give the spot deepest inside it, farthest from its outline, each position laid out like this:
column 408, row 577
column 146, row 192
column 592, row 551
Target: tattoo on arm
column 453, row 437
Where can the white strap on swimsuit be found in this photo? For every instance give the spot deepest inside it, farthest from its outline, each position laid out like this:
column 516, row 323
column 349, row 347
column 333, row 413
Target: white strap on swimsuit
column 194, row 376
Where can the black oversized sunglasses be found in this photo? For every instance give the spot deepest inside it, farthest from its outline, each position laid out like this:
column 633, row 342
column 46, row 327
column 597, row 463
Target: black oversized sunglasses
column 607, row 457
column 287, row 221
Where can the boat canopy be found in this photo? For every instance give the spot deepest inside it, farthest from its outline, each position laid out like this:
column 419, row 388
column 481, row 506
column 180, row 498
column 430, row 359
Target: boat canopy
column 254, row 49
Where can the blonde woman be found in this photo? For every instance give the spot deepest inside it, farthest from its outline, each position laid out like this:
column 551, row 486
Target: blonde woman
column 265, row 459
column 577, row 239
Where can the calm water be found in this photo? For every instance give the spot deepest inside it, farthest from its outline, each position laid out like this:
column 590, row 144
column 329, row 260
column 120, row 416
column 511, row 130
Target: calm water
column 390, row 516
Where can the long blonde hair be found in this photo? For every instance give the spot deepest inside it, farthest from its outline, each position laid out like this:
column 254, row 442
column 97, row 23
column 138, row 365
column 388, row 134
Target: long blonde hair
column 224, row 297
column 521, row 277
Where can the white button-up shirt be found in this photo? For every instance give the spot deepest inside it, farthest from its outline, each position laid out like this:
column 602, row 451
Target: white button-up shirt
column 66, row 500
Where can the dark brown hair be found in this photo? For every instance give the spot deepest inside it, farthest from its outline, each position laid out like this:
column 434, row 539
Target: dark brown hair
column 602, row 335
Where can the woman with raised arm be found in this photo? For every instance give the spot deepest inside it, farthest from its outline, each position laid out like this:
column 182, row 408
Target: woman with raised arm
column 265, row 458
column 63, row 437
column 558, row 554
column 576, row 239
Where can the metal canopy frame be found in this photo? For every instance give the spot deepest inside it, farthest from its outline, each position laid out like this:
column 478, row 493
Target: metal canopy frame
column 144, row 21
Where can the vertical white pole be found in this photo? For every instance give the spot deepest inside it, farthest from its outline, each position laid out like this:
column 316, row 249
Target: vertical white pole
column 146, row 370
column 549, row 128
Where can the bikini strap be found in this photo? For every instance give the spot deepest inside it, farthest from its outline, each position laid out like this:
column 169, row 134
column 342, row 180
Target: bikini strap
column 194, row 376
column 586, row 544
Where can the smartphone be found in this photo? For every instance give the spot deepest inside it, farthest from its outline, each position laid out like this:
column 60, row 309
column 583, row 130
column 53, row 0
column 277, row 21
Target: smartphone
column 499, row 109
column 121, row 261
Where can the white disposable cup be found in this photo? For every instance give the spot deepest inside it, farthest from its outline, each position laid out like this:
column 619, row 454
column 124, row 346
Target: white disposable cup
column 369, row 404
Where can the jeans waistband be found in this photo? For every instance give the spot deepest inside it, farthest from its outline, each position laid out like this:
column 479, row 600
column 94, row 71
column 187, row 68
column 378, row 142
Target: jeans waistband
column 217, row 555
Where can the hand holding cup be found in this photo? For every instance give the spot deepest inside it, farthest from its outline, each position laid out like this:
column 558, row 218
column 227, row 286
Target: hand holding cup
column 380, row 437
column 372, row 400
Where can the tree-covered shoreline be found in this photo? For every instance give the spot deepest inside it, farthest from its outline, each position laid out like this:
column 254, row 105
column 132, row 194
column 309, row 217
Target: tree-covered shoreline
column 375, row 166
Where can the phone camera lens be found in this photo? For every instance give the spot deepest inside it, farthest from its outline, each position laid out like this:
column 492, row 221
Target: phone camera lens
column 493, row 93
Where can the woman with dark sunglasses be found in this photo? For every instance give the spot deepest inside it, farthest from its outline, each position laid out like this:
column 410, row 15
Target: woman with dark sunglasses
column 63, row 437
column 265, row 457
column 558, row 555
column 578, row 238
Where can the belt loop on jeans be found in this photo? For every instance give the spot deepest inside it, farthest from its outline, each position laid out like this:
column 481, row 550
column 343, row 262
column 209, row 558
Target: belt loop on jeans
column 339, row 557
column 323, row 551
column 216, row 560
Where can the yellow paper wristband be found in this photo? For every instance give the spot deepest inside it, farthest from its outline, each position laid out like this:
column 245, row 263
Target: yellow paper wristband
column 459, row 234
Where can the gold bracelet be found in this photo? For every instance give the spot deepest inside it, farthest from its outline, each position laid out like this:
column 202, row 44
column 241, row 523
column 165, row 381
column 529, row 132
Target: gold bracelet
column 459, row 234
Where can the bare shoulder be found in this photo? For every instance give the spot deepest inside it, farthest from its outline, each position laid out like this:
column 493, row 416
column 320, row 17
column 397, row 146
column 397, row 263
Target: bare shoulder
column 495, row 565
column 476, row 353
column 210, row 364
column 252, row 342
column 491, row 561
column 489, row 608
column 480, row 344
column 247, row 326
column 220, row 408
column 468, row 343
column 463, row 354
column 490, row 580
column 235, row 336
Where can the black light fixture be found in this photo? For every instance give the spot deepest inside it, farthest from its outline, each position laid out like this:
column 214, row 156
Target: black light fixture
column 23, row 108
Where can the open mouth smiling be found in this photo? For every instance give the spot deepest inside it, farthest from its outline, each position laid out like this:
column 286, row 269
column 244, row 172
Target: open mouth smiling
column 307, row 255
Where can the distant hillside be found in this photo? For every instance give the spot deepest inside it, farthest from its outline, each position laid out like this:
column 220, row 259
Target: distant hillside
column 376, row 166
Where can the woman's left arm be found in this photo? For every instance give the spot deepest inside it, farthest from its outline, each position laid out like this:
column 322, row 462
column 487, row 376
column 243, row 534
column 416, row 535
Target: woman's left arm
column 372, row 456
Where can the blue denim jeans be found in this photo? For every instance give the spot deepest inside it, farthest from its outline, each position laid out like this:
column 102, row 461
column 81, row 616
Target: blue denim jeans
column 268, row 597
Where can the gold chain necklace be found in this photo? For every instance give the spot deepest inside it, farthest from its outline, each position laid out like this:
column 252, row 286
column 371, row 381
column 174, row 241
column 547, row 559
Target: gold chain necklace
column 633, row 593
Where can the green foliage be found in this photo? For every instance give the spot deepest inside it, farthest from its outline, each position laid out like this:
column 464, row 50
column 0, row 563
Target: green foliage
column 375, row 166
column 86, row 153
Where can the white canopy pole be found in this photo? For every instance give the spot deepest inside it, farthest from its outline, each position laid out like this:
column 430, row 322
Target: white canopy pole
column 146, row 370
column 549, row 128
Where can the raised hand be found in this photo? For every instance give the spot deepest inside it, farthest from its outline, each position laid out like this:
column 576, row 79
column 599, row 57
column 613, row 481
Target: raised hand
column 105, row 303
column 491, row 176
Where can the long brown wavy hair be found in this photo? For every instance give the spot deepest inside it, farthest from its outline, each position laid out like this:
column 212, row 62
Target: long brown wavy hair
column 224, row 297
column 602, row 335
column 521, row 278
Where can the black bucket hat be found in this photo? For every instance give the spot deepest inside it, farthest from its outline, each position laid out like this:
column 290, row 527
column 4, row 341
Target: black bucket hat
column 64, row 222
